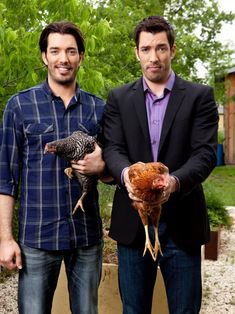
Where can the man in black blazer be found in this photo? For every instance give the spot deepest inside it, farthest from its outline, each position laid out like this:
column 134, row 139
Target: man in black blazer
column 161, row 117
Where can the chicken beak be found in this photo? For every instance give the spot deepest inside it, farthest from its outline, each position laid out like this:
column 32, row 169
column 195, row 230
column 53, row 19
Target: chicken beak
column 49, row 149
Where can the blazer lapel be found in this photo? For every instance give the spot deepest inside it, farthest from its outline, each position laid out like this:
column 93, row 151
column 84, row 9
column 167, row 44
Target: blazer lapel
column 139, row 106
column 175, row 101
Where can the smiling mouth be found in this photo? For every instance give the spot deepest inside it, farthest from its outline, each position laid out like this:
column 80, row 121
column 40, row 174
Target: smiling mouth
column 63, row 69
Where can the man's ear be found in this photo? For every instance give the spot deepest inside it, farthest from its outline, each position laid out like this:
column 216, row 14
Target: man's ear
column 81, row 58
column 173, row 52
column 137, row 54
column 44, row 58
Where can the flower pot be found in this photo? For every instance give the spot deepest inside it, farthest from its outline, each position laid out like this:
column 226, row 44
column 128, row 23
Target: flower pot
column 212, row 247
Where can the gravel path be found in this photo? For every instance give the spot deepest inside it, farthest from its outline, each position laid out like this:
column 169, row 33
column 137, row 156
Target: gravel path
column 218, row 280
column 219, row 276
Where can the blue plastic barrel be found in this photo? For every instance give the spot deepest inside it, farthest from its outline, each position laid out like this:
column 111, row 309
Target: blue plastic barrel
column 220, row 155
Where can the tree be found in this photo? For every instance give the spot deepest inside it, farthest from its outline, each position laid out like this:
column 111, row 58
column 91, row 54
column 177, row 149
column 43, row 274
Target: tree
column 19, row 35
column 196, row 24
column 108, row 27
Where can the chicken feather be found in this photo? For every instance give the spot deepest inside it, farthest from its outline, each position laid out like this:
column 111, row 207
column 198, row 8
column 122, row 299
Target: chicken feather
column 75, row 147
column 148, row 181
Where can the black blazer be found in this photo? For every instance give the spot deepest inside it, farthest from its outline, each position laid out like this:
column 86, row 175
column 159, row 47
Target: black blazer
column 187, row 146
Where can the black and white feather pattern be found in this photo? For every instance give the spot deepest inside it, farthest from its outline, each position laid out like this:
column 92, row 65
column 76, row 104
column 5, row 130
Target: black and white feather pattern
column 75, row 147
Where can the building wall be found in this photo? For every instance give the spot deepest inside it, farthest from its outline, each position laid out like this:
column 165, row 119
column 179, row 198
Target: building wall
column 229, row 119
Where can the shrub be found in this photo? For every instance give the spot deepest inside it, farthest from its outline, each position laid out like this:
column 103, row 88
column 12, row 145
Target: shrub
column 220, row 136
column 218, row 214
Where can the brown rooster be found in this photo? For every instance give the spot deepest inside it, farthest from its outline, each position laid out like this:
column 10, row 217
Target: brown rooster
column 148, row 181
column 75, row 147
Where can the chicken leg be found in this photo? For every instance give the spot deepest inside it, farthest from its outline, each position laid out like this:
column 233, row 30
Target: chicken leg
column 148, row 244
column 70, row 173
column 155, row 217
column 150, row 210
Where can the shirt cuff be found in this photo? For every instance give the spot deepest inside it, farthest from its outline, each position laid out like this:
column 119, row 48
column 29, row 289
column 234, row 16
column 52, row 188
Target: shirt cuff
column 177, row 181
column 122, row 176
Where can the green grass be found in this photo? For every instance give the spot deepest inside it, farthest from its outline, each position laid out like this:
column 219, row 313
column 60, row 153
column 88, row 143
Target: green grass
column 222, row 181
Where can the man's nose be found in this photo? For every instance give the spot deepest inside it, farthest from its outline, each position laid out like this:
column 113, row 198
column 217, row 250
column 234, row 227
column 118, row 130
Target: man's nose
column 154, row 56
column 63, row 56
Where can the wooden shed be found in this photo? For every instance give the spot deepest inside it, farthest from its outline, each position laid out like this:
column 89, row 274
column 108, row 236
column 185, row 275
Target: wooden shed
column 229, row 118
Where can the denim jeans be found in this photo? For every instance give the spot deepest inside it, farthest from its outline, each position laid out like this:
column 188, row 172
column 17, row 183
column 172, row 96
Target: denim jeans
column 181, row 273
column 38, row 279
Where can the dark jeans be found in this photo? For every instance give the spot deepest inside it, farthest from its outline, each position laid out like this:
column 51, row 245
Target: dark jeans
column 181, row 273
column 38, row 279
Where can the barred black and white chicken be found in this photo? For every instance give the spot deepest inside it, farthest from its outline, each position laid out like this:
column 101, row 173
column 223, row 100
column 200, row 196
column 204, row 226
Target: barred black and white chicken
column 75, row 147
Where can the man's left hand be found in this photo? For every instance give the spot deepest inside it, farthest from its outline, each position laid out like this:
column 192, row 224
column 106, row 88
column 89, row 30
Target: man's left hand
column 92, row 164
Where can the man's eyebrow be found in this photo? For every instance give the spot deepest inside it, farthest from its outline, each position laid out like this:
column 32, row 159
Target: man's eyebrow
column 144, row 46
column 68, row 48
column 53, row 47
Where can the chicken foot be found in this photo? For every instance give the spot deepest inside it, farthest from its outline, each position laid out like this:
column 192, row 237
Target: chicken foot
column 157, row 246
column 148, row 245
column 69, row 172
column 79, row 203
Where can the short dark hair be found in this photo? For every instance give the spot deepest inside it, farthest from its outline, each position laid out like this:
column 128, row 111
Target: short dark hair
column 154, row 24
column 62, row 27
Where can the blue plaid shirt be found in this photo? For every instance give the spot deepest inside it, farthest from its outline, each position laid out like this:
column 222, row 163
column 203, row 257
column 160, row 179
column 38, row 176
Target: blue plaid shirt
column 32, row 118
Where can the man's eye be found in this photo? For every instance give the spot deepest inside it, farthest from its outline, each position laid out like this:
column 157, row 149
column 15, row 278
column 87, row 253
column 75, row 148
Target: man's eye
column 144, row 49
column 162, row 49
column 72, row 52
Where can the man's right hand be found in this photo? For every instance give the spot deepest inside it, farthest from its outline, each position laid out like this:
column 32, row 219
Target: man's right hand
column 128, row 186
column 10, row 254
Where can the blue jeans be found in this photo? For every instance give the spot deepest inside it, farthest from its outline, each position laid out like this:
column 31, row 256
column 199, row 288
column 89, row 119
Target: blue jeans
column 38, row 279
column 181, row 273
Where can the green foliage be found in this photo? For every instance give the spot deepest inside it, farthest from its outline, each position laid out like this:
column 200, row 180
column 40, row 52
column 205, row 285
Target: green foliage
column 219, row 191
column 218, row 214
column 19, row 35
column 220, row 136
column 106, row 193
column 108, row 27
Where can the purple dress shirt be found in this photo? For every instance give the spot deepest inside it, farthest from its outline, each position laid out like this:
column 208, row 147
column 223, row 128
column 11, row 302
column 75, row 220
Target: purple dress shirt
column 156, row 108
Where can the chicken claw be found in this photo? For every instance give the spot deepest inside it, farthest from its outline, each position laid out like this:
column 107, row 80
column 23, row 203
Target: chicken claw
column 79, row 203
column 148, row 245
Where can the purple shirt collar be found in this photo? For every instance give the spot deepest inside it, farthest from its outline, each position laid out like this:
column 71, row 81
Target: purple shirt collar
column 169, row 84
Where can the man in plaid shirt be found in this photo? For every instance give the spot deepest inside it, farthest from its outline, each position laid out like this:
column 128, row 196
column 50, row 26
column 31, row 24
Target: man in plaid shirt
column 48, row 231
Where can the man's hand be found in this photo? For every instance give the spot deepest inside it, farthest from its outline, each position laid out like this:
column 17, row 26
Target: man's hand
column 128, row 186
column 171, row 187
column 92, row 164
column 10, row 254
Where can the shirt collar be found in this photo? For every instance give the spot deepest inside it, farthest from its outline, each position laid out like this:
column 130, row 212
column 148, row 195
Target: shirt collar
column 169, row 84
column 49, row 92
